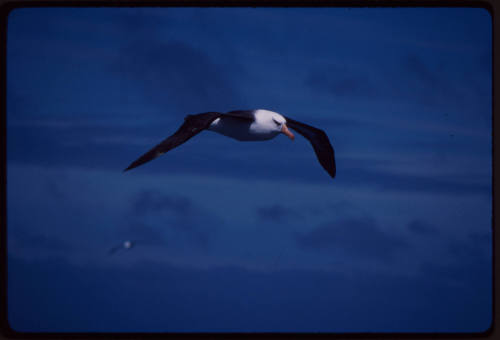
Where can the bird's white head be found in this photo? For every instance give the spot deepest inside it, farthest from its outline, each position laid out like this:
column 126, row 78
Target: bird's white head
column 278, row 122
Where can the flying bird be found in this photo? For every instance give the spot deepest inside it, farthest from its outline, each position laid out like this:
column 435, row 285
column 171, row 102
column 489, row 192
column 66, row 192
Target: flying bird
column 126, row 245
column 245, row 125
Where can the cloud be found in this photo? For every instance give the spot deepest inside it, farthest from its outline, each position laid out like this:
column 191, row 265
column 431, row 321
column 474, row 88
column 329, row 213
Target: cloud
column 402, row 182
column 37, row 241
column 143, row 233
column 468, row 262
column 421, row 71
column 177, row 215
column 339, row 81
column 458, row 260
column 55, row 189
column 422, row 228
column 358, row 237
column 176, row 75
column 276, row 213
column 161, row 297
column 475, row 246
column 430, row 85
column 90, row 142
column 414, row 79
column 151, row 201
column 35, row 244
column 483, row 238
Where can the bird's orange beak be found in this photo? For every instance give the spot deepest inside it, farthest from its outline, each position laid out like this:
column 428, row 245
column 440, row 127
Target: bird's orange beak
column 284, row 130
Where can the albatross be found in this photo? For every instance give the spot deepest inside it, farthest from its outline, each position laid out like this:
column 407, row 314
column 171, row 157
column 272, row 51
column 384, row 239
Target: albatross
column 245, row 125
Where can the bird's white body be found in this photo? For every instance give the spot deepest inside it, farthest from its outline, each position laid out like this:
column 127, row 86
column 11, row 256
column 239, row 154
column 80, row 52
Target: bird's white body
column 264, row 127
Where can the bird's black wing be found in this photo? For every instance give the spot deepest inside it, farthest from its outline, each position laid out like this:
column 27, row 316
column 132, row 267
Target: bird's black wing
column 320, row 143
column 242, row 114
column 193, row 124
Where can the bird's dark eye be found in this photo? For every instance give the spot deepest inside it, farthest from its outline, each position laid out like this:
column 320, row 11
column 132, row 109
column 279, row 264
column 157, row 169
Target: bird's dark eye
column 277, row 123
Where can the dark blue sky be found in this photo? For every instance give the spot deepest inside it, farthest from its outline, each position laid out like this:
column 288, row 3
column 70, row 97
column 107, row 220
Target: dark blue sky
column 249, row 236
